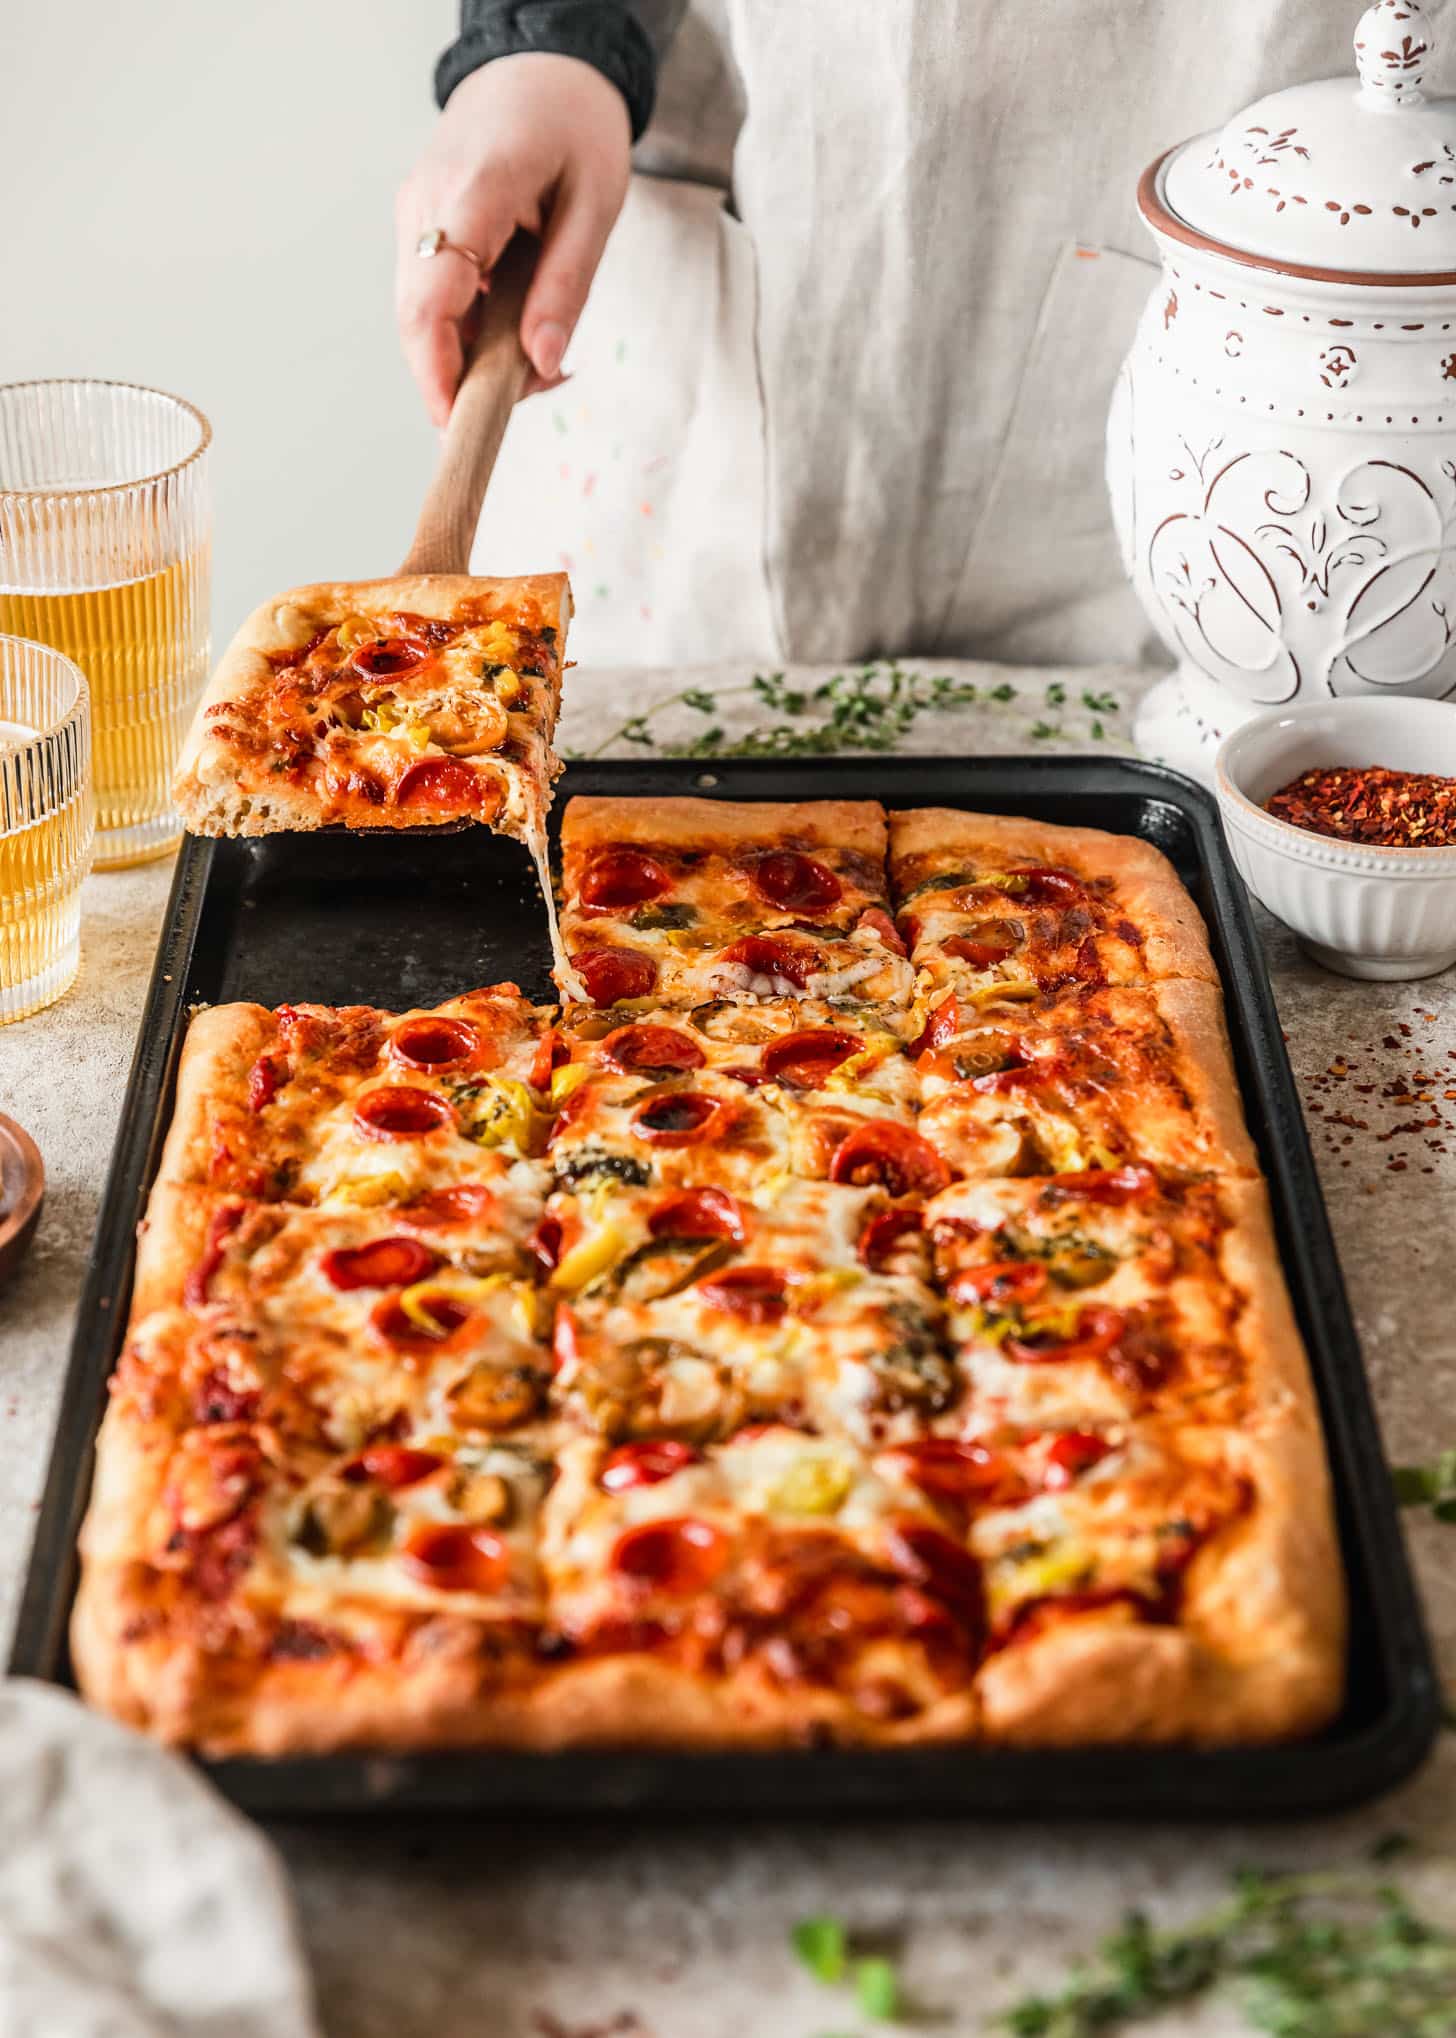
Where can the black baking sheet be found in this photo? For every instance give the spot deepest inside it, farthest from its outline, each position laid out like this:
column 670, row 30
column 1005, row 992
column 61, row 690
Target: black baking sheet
column 402, row 920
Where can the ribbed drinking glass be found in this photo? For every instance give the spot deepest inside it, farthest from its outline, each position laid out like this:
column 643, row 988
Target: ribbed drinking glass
column 46, row 823
column 105, row 540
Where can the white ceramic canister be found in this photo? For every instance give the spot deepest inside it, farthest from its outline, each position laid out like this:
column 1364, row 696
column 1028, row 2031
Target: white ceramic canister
column 1281, row 450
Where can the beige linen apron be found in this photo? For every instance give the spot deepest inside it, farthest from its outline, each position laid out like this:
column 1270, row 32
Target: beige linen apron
column 845, row 393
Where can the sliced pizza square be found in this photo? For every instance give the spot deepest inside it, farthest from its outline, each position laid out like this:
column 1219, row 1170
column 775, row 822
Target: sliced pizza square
column 690, row 1313
column 687, row 900
column 384, row 704
column 1091, row 1079
column 995, row 908
column 778, row 1587
column 349, row 1105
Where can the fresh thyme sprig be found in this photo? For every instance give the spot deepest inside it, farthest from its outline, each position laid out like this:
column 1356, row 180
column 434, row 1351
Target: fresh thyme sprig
column 1431, row 1485
column 1324, row 1955
column 871, row 707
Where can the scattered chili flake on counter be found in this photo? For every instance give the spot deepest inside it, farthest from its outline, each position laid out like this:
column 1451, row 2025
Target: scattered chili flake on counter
column 1386, row 809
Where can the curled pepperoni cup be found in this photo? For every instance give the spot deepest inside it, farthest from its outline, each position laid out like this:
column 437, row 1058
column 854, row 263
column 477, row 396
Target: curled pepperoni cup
column 617, row 879
column 383, row 1263
column 388, row 657
column 646, row 1464
column 929, row 1559
column 677, row 1556
column 699, row 1213
column 392, row 1465
column 987, row 942
column 1003, row 1281
column 878, row 921
column 805, row 1061
column 783, row 962
column 891, row 1154
column 435, row 1043
column 430, row 1322
column 652, row 1051
column 611, row 974
column 794, row 883
column 1049, row 887
column 1129, row 1184
column 448, row 782
column 401, row 1112
column 1098, row 1333
column 1018, row 1071
column 441, row 1209
column 679, row 1118
column 453, row 1557
column 959, row 1472
column 264, row 1079
column 884, row 1232
column 1070, row 1455
column 751, row 1295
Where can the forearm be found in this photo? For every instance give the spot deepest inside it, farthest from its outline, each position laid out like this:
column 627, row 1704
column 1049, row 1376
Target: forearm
column 623, row 39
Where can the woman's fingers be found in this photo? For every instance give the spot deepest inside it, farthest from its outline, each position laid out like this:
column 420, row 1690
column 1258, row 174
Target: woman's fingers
column 576, row 233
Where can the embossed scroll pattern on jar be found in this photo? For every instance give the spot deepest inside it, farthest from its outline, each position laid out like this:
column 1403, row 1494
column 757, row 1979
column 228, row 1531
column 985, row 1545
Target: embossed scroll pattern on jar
column 1281, row 449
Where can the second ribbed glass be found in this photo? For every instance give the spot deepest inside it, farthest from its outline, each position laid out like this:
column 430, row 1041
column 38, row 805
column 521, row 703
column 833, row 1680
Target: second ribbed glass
column 105, row 538
column 45, row 823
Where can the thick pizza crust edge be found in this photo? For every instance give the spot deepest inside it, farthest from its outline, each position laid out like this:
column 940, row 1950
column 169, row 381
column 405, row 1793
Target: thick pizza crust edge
column 592, row 821
column 264, row 806
column 222, row 1043
column 1193, row 1014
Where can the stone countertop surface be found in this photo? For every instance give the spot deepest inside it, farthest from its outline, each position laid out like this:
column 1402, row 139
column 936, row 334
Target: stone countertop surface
column 679, row 1931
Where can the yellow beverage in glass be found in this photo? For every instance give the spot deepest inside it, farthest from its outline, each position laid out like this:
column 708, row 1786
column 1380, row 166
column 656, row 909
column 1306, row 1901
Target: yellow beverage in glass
column 105, row 554
column 46, row 822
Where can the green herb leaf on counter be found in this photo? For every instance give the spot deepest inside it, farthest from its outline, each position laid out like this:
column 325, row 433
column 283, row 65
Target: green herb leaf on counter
column 1041, row 730
column 1323, row 1955
column 1097, row 732
column 1056, row 694
column 877, row 1986
column 697, row 697
column 1431, row 1485
column 823, row 1946
column 1099, row 703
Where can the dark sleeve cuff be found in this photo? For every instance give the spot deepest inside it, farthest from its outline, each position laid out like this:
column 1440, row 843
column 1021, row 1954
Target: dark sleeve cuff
column 603, row 33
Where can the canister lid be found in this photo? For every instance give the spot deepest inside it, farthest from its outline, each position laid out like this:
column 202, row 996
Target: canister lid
column 1348, row 176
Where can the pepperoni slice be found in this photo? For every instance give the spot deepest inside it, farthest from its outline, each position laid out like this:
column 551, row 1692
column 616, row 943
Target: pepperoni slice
column 545, row 1244
column 397, row 1327
column 699, row 1213
column 264, row 1078
column 392, row 1465
column 677, row 1556
column 1022, row 1072
column 767, row 955
column 753, row 1295
column 400, row 1112
column 618, row 878
column 652, row 1051
column 1050, row 887
column 943, row 1024
column 679, row 1118
column 1099, row 1330
column 989, row 941
column 456, row 1558
column 611, row 974
column 884, row 1232
column 1072, row 1454
column 439, row 1209
column 389, row 657
column 958, row 1472
column 384, row 1263
column 1127, row 1184
column 447, row 782
column 795, row 883
column 1007, row 1281
column 929, row 1559
column 435, row 1043
column 221, row 1225
column 892, row 1154
column 646, row 1463
column 551, row 1052
column 805, row 1061
column 879, row 922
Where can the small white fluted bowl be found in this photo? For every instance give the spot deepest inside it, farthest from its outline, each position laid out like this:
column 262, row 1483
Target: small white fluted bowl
column 1364, row 912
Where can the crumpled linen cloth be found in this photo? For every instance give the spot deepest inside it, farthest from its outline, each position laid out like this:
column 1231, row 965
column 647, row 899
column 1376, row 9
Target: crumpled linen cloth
column 134, row 1902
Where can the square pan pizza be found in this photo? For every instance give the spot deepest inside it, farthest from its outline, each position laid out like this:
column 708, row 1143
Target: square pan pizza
column 876, row 1337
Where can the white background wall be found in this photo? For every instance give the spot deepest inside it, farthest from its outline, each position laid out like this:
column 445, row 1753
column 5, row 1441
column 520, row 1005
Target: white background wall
column 199, row 196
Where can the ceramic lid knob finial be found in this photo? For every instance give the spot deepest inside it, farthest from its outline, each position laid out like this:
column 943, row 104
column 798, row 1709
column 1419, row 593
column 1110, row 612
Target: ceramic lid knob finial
column 1392, row 45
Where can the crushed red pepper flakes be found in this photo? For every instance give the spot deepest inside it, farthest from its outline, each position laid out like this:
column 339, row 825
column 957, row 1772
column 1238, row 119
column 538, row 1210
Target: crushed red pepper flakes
column 1370, row 804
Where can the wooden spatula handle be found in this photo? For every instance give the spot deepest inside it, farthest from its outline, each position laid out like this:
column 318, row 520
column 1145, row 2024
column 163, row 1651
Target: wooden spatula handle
column 495, row 375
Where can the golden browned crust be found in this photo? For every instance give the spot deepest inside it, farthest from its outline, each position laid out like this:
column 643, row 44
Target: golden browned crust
column 222, row 1043
column 1149, row 891
column 1193, row 1013
column 855, row 825
column 219, row 794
